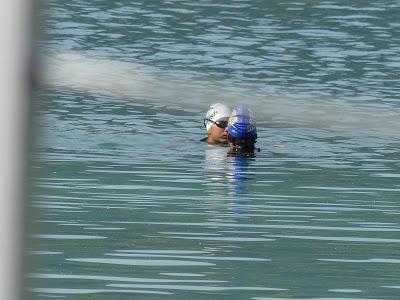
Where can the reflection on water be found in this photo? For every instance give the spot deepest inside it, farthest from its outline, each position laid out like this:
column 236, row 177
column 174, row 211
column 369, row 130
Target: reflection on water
column 240, row 174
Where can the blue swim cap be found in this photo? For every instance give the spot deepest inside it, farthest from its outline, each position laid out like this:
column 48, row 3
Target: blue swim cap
column 242, row 123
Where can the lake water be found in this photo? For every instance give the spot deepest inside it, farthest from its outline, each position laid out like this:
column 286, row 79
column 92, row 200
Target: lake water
column 128, row 204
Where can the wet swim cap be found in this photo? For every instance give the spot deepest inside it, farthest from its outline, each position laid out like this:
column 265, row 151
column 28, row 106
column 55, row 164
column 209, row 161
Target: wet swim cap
column 216, row 112
column 242, row 123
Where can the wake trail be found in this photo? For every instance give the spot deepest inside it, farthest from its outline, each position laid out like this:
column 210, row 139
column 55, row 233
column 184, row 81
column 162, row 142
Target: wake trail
column 136, row 82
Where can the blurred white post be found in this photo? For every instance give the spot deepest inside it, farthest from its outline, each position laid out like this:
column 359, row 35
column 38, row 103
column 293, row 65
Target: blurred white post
column 15, row 43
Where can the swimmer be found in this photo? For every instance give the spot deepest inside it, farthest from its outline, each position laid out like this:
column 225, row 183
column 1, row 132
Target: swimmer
column 216, row 122
column 242, row 132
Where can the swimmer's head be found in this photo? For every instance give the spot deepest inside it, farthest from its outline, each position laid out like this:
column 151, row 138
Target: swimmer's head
column 242, row 124
column 242, row 132
column 216, row 112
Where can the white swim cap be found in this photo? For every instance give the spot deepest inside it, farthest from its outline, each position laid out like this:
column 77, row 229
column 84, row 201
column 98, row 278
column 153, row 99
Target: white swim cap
column 216, row 112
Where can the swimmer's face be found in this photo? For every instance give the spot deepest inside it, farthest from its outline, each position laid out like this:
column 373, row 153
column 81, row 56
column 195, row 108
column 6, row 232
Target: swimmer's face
column 218, row 135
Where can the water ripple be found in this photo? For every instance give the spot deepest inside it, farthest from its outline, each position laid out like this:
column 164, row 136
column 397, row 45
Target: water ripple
column 140, row 262
column 77, row 291
column 195, row 287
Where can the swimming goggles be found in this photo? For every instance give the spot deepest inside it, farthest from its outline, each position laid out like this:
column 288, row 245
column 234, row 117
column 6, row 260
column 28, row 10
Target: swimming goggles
column 220, row 124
